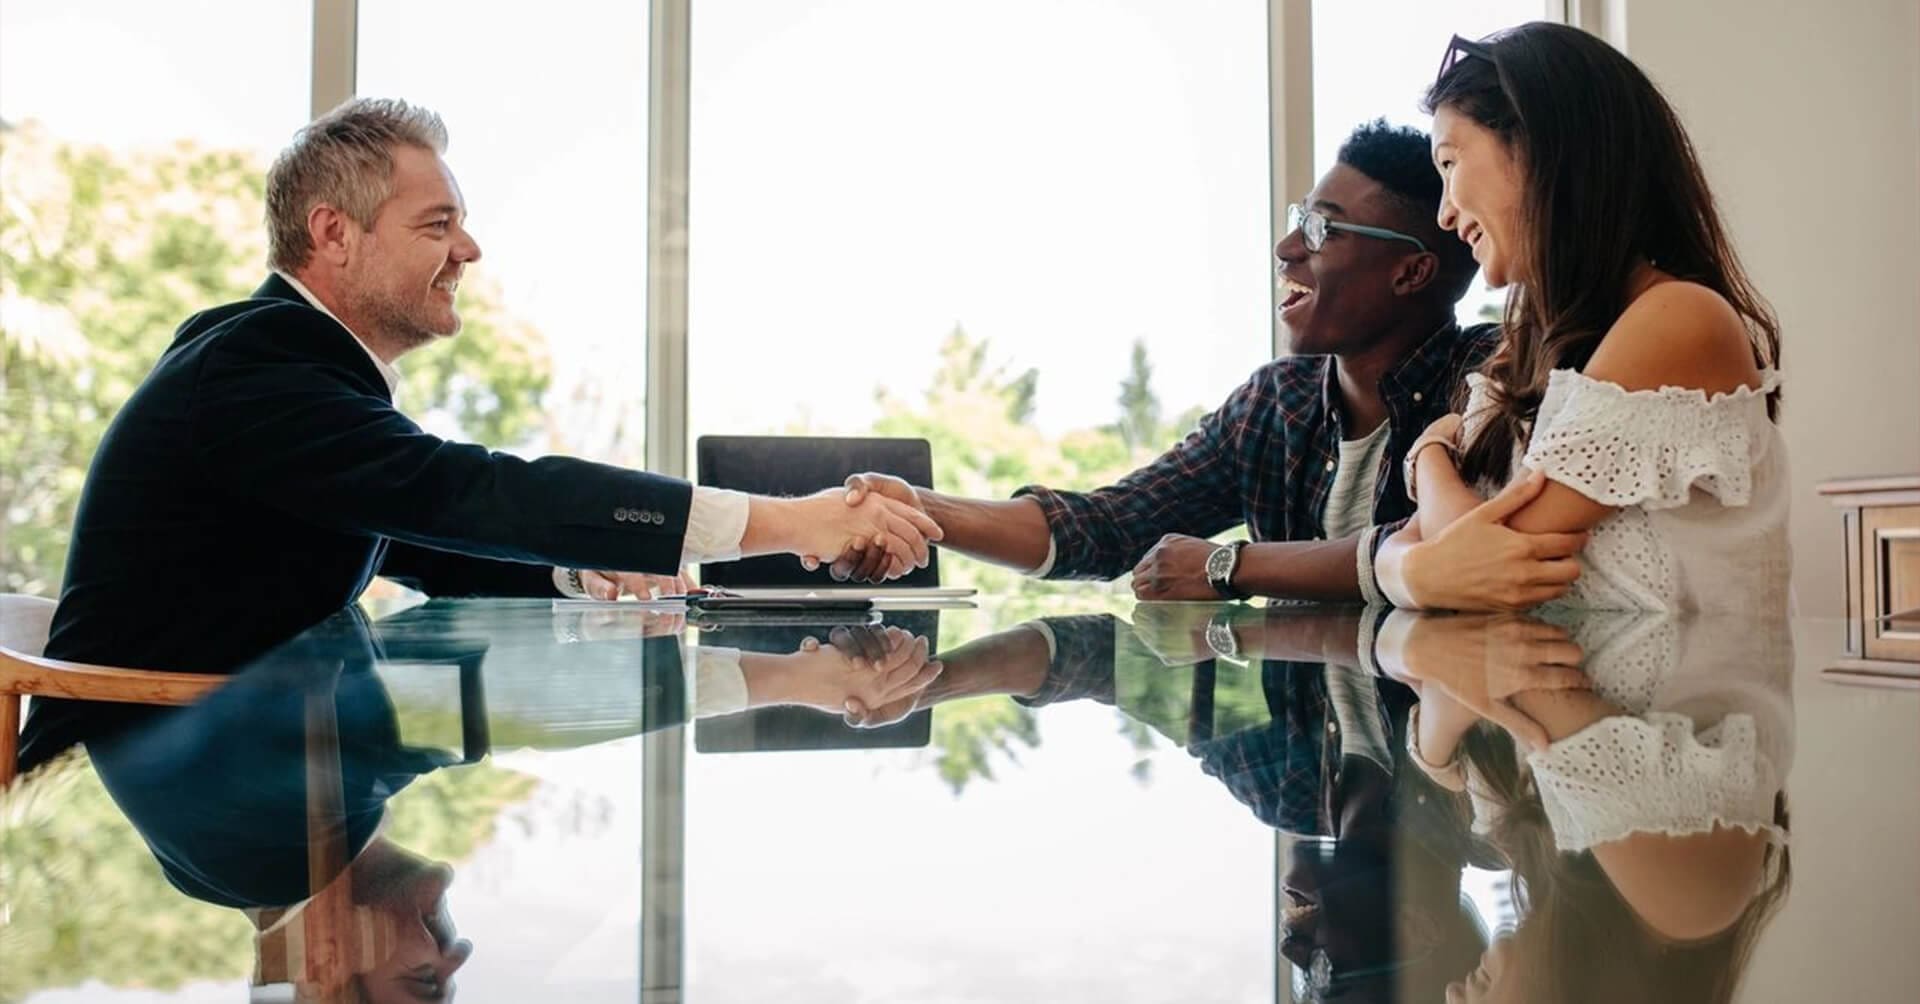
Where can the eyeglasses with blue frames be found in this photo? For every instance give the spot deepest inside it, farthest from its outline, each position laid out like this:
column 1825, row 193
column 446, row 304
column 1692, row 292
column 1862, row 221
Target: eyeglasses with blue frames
column 1314, row 227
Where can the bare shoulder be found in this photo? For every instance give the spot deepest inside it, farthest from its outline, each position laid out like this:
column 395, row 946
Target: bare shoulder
column 1677, row 334
column 1687, row 887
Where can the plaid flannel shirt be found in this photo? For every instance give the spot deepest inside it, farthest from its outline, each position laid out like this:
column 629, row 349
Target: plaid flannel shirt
column 1265, row 458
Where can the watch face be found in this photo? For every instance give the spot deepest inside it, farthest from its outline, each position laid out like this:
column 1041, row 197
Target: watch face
column 1220, row 639
column 1219, row 563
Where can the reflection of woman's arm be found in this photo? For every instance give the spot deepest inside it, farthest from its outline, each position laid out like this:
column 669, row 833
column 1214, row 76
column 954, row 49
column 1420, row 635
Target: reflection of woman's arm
column 1466, row 667
column 1563, row 712
column 1686, row 887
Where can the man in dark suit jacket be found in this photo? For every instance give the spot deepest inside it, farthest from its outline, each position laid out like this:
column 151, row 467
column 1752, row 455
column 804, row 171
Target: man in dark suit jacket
column 261, row 475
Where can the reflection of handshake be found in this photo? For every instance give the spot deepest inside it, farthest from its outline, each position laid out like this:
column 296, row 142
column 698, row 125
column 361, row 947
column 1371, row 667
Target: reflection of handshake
column 876, row 559
column 872, row 676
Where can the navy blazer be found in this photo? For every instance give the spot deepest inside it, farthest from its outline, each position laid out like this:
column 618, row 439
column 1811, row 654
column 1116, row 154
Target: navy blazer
column 260, row 476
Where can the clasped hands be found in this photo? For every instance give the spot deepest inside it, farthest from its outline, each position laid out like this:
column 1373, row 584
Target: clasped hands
column 874, row 526
column 872, row 676
column 1468, row 667
column 874, row 561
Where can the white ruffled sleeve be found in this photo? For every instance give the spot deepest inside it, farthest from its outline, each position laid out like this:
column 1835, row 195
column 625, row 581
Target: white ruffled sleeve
column 1649, row 448
column 1624, row 775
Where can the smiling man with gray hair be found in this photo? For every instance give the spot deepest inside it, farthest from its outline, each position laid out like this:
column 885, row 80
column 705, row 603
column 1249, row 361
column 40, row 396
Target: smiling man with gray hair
column 261, row 474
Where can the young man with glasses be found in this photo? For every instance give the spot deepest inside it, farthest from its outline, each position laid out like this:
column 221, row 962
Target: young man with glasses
column 1307, row 453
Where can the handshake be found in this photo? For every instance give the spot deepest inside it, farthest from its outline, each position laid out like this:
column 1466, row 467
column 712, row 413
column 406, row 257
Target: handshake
column 898, row 539
column 872, row 530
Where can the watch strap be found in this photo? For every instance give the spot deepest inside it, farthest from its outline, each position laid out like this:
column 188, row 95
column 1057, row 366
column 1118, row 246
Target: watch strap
column 1223, row 584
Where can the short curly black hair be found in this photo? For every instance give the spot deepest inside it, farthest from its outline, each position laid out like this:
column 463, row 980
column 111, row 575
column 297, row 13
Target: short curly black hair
column 1400, row 159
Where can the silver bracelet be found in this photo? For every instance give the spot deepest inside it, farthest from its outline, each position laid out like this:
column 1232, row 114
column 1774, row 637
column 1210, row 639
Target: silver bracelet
column 1412, row 462
column 1451, row 775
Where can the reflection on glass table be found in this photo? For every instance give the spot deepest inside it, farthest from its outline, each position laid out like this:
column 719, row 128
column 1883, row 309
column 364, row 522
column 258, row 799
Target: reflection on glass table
column 1199, row 802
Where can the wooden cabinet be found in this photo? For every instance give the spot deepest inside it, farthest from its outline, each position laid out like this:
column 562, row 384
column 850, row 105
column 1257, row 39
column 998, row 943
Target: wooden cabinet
column 1880, row 521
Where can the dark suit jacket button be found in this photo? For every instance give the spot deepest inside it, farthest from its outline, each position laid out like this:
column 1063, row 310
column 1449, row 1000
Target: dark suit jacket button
column 620, row 515
column 659, row 519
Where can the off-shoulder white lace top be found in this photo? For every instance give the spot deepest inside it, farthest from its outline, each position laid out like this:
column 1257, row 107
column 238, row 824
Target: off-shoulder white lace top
column 1700, row 483
column 1705, row 740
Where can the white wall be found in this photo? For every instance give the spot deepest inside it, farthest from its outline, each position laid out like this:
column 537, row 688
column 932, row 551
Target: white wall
column 1808, row 118
column 1846, row 932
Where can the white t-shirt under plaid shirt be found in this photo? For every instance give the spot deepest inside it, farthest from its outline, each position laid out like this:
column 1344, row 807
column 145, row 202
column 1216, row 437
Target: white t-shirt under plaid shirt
column 1350, row 499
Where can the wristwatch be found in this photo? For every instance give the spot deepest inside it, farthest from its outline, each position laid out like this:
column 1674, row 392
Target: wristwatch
column 1221, row 564
column 1220, row 638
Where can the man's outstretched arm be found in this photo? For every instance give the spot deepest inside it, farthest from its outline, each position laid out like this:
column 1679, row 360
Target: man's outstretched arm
column 1195, row 487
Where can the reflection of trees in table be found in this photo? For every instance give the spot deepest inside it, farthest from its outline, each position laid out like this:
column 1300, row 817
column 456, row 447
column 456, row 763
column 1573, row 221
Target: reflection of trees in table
column 82, row 899
column 969, row 734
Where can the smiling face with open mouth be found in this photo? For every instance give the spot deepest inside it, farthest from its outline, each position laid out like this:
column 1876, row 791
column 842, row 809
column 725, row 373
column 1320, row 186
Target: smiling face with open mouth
column 1336, row 300
column 1481, row 198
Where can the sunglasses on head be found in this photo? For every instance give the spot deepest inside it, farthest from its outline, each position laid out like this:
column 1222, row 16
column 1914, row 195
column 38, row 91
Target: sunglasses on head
column 1461, row 48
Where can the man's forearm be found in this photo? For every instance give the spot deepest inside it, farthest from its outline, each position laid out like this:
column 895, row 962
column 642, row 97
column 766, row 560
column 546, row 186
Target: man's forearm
column 771, row 679
column 1012, row 532
column 1296, row 634
column 1012, row 662
column 1325, row 570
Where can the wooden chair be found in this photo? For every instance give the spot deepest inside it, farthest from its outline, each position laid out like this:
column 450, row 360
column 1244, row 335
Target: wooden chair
column 24, row 623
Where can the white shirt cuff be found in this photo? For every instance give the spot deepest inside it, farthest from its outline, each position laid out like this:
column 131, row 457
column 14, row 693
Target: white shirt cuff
column 716, row 522
column 1046, row 566
column 719, row 684
column 1363, row 643
column 1363, row 567
column 563, row 581
column 1046, row 632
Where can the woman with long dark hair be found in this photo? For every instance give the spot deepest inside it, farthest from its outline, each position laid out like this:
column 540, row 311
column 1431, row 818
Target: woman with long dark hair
column 1637, row 372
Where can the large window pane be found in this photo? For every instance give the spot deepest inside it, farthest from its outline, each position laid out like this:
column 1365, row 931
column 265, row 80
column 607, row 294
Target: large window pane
column 130, row 197
column 1362, row 73
column 1034, row 232
column 546, row 105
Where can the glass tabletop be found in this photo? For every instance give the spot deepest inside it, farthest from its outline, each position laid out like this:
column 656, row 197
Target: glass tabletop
column 1063, row 799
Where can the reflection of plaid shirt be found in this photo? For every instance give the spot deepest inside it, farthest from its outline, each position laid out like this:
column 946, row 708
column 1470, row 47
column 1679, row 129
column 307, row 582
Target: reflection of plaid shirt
column 1264, row 458
column 1278, row 770
column 1082, row 664
column 1289, row 771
